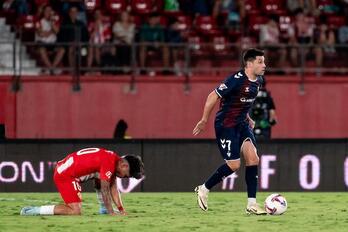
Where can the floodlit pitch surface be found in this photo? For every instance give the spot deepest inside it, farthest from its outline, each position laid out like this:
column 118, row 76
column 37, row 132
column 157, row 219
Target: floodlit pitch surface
column 179, row 212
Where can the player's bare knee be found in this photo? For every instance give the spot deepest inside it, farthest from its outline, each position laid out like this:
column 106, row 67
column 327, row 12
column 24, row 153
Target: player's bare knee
column 234, row 165
column 75, row 209
column 253, row 161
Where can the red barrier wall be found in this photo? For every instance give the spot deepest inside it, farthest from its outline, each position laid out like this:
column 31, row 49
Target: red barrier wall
column 160, row 108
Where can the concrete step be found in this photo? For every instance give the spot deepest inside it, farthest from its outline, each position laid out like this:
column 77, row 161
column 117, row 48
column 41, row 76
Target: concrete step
column 30, row 72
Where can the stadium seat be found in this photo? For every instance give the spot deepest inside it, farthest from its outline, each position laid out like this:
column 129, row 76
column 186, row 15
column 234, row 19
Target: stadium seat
column 27, row 25
column 273, row 7
column 206, row 25
column 220, row 45
column 91, row 5
column 185, row 22
column 336, row 21
column 251, row 7
column 285, row 23
column 141, row 6
column 41, row 2
column 254, row 24
column 116, row 6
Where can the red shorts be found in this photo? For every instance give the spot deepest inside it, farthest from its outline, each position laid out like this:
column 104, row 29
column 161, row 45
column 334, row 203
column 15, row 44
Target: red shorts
column 69, row 188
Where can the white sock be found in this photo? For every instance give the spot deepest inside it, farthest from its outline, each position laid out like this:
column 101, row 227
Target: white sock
column 47, row 210
column 251, row 201
column 204, row 188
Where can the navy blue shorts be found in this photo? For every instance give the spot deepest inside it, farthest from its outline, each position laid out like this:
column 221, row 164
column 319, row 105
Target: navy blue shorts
column 230, row 140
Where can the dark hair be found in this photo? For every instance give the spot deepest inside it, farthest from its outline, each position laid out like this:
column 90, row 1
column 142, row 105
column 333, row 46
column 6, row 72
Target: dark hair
column 136, row 166
column 251, row 54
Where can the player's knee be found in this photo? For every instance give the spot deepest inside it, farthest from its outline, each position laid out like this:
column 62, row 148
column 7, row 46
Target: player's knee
column 75, row 210
column 253, row 161
column 234, row 165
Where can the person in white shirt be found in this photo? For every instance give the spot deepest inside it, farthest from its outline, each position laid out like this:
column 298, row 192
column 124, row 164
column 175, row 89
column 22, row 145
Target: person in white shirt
column 123, row 33
column 46, row 35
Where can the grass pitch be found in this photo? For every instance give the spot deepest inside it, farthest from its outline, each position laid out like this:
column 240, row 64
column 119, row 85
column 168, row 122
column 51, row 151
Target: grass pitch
column 179, row 212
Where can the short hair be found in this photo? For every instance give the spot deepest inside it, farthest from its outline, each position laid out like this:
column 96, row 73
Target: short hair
column 136, row 166
column 251, row 54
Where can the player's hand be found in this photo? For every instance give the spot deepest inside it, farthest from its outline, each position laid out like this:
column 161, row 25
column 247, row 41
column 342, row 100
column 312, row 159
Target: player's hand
column 251, row 123
column 199, row 127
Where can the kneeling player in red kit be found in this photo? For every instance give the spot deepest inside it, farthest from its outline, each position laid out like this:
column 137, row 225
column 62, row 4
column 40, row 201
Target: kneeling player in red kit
column 90, row 163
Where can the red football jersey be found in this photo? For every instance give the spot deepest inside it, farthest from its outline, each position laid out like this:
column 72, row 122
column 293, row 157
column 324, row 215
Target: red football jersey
column 89, row 163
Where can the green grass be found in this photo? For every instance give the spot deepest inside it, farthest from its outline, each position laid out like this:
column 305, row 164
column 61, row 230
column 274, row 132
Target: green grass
column 179, row 212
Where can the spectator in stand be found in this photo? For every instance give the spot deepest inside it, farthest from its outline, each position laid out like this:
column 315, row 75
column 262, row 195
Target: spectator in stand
column 270, row 39
column 46, row 35
column 196, row 7
column 308, row 6
column 73, row 32
column 304, row 34
column 176, row 37
column 20, row 6
column 233, row 8
column 123, row 33
column 325, row 37
column 100, row 33
column 66, row 5
column 153, row 32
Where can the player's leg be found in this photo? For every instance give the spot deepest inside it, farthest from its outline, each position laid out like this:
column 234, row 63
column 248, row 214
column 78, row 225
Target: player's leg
column 249, row 152
column 70, row 190
column 229, row 150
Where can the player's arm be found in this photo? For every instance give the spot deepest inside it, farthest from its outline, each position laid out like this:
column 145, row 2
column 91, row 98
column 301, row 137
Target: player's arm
column 116, row 197
column 106, row 195
column 208, row 108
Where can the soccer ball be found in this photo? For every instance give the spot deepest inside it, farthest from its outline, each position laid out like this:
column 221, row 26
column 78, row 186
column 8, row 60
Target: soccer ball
column 275, row 204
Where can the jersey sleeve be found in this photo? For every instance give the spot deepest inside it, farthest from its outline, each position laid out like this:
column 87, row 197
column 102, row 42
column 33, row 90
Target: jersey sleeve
column 226, row 86
column 108, row 166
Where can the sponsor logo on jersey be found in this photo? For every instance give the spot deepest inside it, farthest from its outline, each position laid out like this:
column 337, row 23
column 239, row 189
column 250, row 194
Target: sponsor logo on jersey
column 222, row 87
column 243, row 99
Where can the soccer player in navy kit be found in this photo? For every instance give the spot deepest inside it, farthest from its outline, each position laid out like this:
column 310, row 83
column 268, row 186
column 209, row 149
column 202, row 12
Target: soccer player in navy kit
column 233, row 127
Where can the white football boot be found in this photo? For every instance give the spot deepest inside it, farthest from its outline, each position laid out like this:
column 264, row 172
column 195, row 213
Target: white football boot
column 202, row 197
column 255, row 209
column 30, row 211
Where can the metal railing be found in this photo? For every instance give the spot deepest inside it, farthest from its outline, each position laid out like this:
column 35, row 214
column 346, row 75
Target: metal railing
column 184, row 59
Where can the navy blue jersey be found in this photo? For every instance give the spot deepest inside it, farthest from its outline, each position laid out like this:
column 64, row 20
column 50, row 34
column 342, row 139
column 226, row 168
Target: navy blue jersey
column 237, row 95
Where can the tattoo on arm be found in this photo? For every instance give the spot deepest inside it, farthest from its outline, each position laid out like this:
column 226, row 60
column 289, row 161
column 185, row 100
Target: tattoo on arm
column 105, row 191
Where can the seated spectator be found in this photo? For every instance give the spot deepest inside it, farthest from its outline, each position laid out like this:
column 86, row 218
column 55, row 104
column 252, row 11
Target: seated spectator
column 270, row 38
column 46, row 35
column 123, row 32
column 73, row 32
column 175, row 38
column 308, row 6
column 325, row 37
column 304, row 34
column 233, row 8
column 66, row 5
column 153, row 32
column 100, row 33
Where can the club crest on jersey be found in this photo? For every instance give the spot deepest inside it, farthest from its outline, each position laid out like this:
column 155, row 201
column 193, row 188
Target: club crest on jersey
column 108, row 174
column 238, row 75
column 247, row 89
column 222, row 87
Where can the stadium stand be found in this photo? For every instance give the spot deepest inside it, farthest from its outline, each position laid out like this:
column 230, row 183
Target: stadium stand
column 198, row 29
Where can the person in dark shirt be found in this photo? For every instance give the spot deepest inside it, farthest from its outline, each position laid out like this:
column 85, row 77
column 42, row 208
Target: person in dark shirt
column 72, row 31
column 233, row 128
